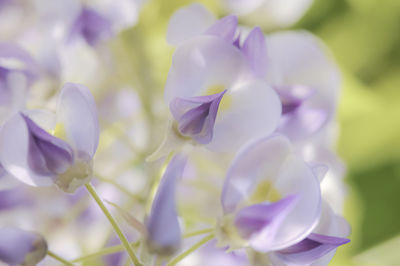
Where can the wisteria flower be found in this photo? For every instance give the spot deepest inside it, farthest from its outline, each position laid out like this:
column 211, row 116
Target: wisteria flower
column 20, row 247
column 64, row 158
column 288, row 61
column 271, row 198
column 214, row 94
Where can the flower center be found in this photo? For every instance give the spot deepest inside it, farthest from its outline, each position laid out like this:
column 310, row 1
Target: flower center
column 226, row 101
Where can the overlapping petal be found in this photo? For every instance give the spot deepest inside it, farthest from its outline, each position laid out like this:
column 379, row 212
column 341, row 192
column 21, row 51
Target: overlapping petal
column 15, row 153
column 203, row 63
column 224, row 28
column 299, row 60
column 77, row 116
column 255, row 50
column 196, row 115
column 310, row 249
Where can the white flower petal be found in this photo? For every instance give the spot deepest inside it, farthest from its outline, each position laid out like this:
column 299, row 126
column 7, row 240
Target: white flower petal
column 14, row 144
column 297, row 178
column 299, row 58
column 201, row 64
column 188, row 22
column 253, row 111
column 76, row 112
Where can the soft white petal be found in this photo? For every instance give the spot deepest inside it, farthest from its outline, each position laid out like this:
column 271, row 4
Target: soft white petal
column 299, row 58
column 241, row 7
column 260, row 160
column 188, row 22
column 297, row 178
column 14, row 144
column 272, row 160
column 203, row 63
column 252, row 111
column 76, row 112
column 269, row 14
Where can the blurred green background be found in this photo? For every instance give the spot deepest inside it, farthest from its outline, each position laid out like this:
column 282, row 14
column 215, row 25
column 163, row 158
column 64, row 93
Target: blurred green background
column 364, row 36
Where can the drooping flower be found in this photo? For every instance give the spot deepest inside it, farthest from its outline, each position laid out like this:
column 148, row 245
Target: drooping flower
column 271, row 198
column 20, row 247
column 38, row 158
column 163, row 230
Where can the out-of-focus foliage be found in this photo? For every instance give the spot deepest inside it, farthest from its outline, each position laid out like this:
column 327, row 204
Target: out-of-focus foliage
column 364, row 36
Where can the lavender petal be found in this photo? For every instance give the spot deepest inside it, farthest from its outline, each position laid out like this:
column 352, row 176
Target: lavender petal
column 263, row 216
column 255, row 49
column 310, row 249
column 163, row 239
column 19, row 247
column 224, row 28
column 196, row 115
column 47, row 154
column 92, row 26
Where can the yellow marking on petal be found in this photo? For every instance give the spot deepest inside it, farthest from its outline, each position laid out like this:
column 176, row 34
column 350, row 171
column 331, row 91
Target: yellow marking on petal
column 226, row 101
column 59, row 131
column 265, row 191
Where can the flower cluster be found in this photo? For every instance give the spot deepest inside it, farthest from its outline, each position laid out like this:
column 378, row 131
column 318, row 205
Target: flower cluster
column 247, row 154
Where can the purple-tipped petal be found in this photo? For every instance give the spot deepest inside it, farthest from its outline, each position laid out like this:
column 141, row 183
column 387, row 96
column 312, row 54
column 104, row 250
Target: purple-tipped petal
column 15, row 153
column 259, row 158
column 255, row 50
column 299, row 58
column 196, row 115
column 19, row 247
column 260, row 221
column 77, row 115
column 164, row 233
column 311, row 249
column 292, row 97
column 271, row 162
column 303, row 123
column 48, row 155
column 92, row 26
column 224, row 28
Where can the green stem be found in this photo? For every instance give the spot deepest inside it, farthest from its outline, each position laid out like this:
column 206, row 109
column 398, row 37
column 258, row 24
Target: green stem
column 199, row 232
column 58, row 258
column 113, row 223
column 103, row 252
column 191, row 250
